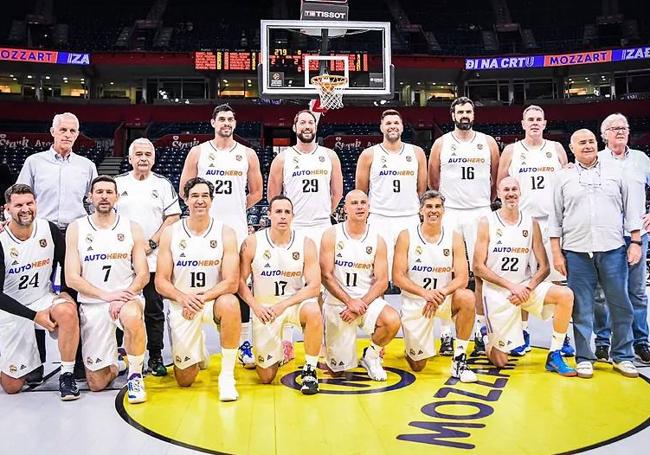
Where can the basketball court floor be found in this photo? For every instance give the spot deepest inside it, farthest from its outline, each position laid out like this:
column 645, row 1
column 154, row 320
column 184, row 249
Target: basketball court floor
column 514, row 410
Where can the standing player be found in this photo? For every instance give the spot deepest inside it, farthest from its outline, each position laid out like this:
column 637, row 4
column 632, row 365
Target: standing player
column 106, row 263
column 232, row 168
column 355, row 274
column 310, row 176
column 393, row 174
column 286, row 283
column 198, row 271
column 29, row 250
column 463, row 166
column 506, row 240
column 532, row 162
column 430, row 267
column 150, row 200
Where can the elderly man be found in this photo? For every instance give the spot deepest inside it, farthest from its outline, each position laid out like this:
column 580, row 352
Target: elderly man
column 588, row 201
column 635, row 165
column 150, row 200
column 60, row 179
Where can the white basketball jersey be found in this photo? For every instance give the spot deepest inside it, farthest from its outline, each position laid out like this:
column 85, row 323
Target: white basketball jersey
column 510, row 248
column 227, row 170
column 465, row 172
column 28, row 263
column 534, row 171
column 393, row 183
column 306, row 179
column 105, row 256
column 197, row 258
column 430, row 265
column 354, row 260
column 277, row 270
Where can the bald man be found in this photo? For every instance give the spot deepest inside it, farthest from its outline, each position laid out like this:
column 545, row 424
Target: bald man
column 588, row 200
column 506, row 241
column 354, row 271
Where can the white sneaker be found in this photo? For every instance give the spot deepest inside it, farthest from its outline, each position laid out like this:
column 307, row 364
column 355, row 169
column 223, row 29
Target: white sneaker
column 227, row 390
column 585, row 370
column 460, row 370
column 373, row 367
column 626, row 368
column 135, row 389
column 245, row 355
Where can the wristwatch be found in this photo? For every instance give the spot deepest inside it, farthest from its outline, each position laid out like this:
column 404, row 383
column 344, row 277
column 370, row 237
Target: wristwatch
column 637, row 242
column 152, row 244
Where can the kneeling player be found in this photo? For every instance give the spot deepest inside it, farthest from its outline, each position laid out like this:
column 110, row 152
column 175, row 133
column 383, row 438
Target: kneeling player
column 198, row 271
column 29, row 250
column 506, row 241
column 106, row 263
column 354, row 271
column 286, row 284
column 430, row 267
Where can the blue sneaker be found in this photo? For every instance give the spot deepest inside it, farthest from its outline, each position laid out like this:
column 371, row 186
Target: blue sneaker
column 555, row 362
column 521, row 351
column 245, row 355
column 567, row 350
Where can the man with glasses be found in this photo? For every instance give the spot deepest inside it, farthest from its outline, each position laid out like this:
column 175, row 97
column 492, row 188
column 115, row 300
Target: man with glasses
column 588, row 201
column 635, row 166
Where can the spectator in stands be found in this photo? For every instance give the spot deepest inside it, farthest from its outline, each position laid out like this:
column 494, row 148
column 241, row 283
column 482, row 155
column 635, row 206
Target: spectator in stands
column 60, row 179
column 150, row 200
column 588, row 201
column 635, row 164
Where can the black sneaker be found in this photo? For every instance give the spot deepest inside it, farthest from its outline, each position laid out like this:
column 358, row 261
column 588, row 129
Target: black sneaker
column 479, row 344
column 642, row 353
column 309, row 381
column 602, row 353
column 79, row 372
column 447, row 346
column 35, row 377
column 68, row 387
column 156, row 366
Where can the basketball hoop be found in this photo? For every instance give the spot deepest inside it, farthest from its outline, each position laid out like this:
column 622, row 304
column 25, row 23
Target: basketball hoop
column 330, row 89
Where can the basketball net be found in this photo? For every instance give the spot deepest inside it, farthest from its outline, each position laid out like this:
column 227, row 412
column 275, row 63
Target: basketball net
column 330, row 90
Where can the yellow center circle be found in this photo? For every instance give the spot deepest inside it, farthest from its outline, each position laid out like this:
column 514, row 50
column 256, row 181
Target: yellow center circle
column 516, row 409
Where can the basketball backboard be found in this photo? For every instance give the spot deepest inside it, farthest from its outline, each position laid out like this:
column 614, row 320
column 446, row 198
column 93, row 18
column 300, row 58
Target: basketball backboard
column 292, row 52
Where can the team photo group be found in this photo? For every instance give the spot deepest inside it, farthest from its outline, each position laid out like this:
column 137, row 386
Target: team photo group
column 473, row 236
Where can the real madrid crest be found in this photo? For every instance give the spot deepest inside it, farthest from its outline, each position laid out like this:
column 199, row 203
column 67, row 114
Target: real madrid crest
column 42, row 243
column 213, row 243
column 548, row 154
column 13, row 252
column 368, row 250
column 499, row 232
column 446, row 252
column 295, row 255
column 120, row 237
column 479, row 146
column 211, row 156
column 89, row 238
column 409, row 158
column 321, row 159
column 453, row 147
column 239, row 157
column 418, row 249
column 267, row 255
column 154, row 194
column 182, row 244
column 339, row 246
column 524, row 232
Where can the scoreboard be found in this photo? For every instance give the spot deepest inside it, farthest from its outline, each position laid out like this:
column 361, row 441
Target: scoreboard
column 226, row 60
column 280, row 59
